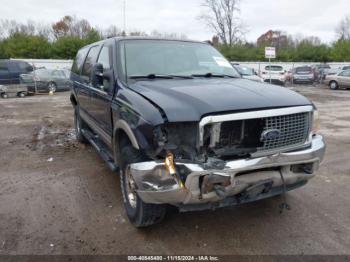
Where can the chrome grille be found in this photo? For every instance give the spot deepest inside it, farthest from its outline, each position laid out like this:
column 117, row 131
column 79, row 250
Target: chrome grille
column 294, row 131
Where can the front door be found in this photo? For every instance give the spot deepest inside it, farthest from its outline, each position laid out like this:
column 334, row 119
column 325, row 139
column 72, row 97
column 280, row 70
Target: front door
column 101, row 96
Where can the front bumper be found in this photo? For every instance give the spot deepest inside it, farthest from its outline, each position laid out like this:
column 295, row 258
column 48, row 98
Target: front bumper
column 252, row 177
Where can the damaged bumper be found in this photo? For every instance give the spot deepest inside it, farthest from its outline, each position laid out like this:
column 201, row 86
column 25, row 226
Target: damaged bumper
column 239, row 181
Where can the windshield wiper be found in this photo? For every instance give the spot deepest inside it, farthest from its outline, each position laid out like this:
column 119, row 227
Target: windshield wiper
column 159, row 76
column 151, row 76
column 209, row 75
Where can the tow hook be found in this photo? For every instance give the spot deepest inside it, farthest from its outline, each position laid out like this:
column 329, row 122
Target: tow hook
column 255, row 190
column 215, row 183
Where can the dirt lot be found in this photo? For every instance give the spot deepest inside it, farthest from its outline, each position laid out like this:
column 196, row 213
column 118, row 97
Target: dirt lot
column 58, row 197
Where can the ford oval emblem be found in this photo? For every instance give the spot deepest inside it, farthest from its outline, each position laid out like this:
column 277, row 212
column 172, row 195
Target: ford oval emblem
column 270, row 134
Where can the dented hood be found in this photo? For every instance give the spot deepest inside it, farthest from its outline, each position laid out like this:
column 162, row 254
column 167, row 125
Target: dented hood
column 191, row 99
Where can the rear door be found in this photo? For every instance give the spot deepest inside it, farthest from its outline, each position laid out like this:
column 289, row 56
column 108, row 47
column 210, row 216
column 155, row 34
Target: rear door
column 59, row 78
column 82, row 83
column 101, row 97
column 5, row 78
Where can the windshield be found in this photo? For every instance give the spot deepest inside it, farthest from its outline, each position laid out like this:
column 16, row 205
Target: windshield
column 172, row 58
column 246, row 71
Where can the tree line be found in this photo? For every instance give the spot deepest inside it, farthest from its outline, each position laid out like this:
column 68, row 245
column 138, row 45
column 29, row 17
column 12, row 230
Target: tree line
column 63, row 38
column 60, row 40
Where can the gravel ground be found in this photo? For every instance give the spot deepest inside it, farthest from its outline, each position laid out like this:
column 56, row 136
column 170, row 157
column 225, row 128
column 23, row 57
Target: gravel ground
column 58, row 196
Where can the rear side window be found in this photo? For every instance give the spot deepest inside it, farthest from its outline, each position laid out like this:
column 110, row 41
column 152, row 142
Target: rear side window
column 79, row 60
column 89, row 63
column 274, row 68
column 305, row 69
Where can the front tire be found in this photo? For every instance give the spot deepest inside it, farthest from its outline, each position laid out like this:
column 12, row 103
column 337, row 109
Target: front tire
column 4, row 95
column 333, row 85
column 139, row 213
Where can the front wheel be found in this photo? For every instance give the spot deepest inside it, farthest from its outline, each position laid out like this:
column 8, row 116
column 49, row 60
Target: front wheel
column 139, row 213
column 4, row 95
column 333, row 85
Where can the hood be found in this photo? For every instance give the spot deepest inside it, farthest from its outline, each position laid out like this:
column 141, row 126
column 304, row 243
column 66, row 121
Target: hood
column 254, row 78
column 191, row 99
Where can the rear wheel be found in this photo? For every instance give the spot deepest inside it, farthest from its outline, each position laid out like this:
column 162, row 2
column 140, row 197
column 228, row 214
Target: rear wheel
column 79, row 125
column 4, row 95
column 52, row 87
column 333, row 85
column 139, row 213
column 21, row 94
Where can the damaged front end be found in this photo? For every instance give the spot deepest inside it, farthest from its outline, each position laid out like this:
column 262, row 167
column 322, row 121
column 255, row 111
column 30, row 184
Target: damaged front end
column 230, row 159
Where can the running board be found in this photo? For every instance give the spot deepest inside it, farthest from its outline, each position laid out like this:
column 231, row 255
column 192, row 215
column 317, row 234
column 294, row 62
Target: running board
column 101, row 149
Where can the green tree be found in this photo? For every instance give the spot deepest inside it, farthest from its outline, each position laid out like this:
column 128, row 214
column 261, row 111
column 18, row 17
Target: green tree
column 66, row 47
column 341, row 51
column 20, row 45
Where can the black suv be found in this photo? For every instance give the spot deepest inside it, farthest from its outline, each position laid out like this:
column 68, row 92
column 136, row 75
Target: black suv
column 183, row 128
column 10, row 70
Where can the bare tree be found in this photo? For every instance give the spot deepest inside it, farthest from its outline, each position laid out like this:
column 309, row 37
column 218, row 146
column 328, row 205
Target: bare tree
column 343, row 29
column 223, row 17
column 71, row 26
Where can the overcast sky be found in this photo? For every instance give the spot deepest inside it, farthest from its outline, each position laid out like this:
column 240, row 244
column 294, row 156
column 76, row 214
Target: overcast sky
column 306, row 17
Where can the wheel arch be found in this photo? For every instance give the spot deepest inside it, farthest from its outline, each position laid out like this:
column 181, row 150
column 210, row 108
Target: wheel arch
column 122, row 132
column 73, row 100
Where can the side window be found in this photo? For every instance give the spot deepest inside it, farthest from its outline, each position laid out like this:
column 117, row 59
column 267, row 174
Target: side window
column 79, row 60
column 105, row 58
column 345, row 73
column 24, row 67
column 89, row 63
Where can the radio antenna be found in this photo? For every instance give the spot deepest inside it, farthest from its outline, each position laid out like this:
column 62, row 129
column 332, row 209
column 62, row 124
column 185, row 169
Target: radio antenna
column 124, row 17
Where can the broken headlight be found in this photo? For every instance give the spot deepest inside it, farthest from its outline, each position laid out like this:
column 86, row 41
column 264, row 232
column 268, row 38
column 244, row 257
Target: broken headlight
column 315, row 123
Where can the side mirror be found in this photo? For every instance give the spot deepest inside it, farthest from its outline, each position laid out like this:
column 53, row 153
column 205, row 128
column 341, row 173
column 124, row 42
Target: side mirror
column 97, row 76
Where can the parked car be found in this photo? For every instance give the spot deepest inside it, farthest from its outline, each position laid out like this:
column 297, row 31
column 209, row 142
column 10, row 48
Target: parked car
column 46, row 80
column 184, row 129
column 346, row 67
column 303, row 74
column 13, row 90
column 277, row 74
column 10, row 70
column 339, row 80
column 248, row 73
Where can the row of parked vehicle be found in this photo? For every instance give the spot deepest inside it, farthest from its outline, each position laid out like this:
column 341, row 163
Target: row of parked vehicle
column 18, row 78
column 334, row 77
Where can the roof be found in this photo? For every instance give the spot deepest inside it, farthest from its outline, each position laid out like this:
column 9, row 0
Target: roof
column 118, row 38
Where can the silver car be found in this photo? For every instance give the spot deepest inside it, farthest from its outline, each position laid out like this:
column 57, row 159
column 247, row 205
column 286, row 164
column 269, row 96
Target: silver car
column 339, row 80
column 46, row 80
column 248, row 73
